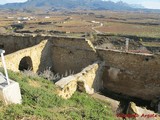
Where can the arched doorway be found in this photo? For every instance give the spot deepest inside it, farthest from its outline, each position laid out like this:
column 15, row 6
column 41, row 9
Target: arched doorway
column 25, row 64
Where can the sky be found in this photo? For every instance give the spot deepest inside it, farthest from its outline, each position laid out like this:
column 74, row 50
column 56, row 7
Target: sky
column 153, row 4
column 11, row 1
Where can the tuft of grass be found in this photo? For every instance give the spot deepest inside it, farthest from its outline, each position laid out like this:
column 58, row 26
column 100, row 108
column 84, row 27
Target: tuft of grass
column 42, row 103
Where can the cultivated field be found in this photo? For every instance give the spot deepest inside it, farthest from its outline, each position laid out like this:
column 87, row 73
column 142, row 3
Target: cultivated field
column 127, row 23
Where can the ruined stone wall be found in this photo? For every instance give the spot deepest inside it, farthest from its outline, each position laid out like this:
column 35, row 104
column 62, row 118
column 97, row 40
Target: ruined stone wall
column 13, row 43
column 71, row 54
column 88, row 80
column 61, row 54
column 127, row 73
column 131, row 74
column 35, row 53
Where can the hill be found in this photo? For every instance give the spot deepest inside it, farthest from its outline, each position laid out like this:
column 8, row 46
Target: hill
column 71, row 4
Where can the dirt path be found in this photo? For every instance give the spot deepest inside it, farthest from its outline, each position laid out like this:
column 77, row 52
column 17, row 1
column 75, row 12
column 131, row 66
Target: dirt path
column 97, row 31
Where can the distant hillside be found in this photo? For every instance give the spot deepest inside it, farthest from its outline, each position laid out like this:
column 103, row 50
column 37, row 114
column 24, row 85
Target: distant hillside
column 71, row 4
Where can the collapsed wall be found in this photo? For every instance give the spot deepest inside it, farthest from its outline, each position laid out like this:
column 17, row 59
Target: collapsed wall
column 131, row 74
column 88, row 80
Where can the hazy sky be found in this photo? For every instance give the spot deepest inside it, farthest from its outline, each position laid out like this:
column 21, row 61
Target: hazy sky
column 11, row 1
column 154, row 4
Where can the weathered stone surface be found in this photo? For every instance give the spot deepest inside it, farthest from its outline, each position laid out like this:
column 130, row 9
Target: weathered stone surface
column 131, row 74
column 57, row 52
column 66, row 87
column 92, row 75
column 71, row 54
column 35, row 53
column 87, row 80
column 13, row 43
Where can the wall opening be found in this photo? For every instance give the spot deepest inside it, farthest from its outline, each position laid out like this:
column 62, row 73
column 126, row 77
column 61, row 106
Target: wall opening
column 25, row 64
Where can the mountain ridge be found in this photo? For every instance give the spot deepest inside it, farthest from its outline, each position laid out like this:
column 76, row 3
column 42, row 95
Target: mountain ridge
column 71, row 4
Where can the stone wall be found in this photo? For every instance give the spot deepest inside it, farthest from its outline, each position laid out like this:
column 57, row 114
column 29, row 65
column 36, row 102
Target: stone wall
column 89, row 80
column 61, row 54
column 131, row 74
column 13, row 43
column 71, row 54
column 34, row 53
column 127, row 73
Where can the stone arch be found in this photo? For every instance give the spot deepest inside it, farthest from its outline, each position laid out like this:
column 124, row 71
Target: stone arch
column 26, row 64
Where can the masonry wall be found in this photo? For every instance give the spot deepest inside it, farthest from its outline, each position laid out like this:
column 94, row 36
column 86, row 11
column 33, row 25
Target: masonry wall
column 13, row 43
column 35, row 53
column 131, row 74
column 61, row 54
column 71, row 54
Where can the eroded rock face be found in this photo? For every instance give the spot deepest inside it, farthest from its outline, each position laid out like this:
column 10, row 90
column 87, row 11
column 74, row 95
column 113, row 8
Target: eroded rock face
column 88, row 80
